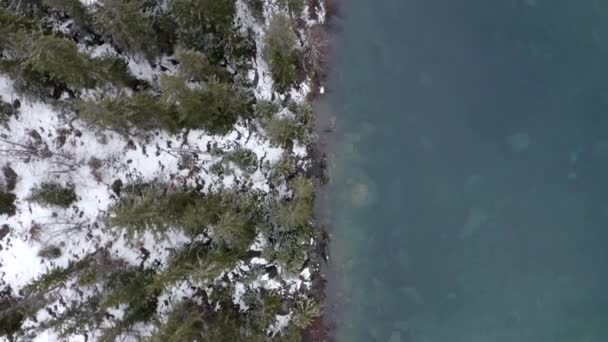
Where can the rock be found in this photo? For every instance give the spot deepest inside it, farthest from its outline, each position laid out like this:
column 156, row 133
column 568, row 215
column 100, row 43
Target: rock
column 359, row 194
column 426, row 143
column 4, row 231
column 472, row 181
column 395, row 337
column 117, row 187
column 362, row 192
column 412, row 294
column 403, row 258
column 401, row 325
column 600, row 149
column 477, row 218
column 373, row 332
column 36, row 136
column 272, row 272
column 426, row 80
column 519, row 142
column 10, row 176
column 283, row 309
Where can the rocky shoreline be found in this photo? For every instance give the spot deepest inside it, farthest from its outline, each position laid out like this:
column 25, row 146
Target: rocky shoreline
column 320, row 329
column 115, row 168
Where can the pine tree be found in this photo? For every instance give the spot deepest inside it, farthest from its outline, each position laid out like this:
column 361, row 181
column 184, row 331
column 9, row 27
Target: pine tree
column 124, row 24
column 7, row 203
column 123, row 113
column 152, row 211
column 184, row 323
column 195, row 18
column 281, row 53
column 243, row 158
column 198, row 262
column 290, row 226
column 74, row 9
column 195, row 66
column 234, row 230
column 60, row 59
column 294, row 7
column 214, row 107
column 53, row 194
column 283, row 131
column 13, row 312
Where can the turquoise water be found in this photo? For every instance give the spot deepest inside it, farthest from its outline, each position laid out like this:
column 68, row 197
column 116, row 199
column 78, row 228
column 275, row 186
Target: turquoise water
column 469, row 179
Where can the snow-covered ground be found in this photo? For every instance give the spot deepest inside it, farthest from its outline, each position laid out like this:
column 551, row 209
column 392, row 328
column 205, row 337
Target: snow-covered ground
column 42, row 144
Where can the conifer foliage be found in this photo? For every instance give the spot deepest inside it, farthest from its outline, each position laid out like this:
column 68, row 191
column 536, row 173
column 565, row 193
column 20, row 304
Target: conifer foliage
column 82, row 59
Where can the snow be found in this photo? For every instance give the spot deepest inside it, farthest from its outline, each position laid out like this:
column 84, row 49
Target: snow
column 22, row 265
column 142, row 69
column 281, row 323
column 305, row 274
column 239, row 291
column 259, row 243
column 72, row 229
column 244, row 18
column 259, row 261
column 155, row 157
column 50, row 336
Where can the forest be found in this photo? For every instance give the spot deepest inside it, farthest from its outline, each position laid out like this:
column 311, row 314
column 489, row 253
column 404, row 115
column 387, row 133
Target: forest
column 157, row 180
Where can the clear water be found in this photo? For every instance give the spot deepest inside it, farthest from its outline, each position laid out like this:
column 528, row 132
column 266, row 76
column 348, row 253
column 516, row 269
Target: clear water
column 469, row 192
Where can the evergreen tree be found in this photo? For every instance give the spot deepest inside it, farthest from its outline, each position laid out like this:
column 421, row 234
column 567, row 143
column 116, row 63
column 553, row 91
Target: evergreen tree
column 290, row 225
column 294, row 7
column 199, row 263
column 60, row 59
column 7, row 203
column 243, row 158
column 153, row 211
column 73, row 9
column 10, row 322
column 214, row 107
column 198, row 18
column 281, row 53
column 129, row 287
column 124, row 24
column 195, row 66
column 111, row 283
column 184, row 323
column 54, row 194
column 283, row 131
column 13, row 28
column 234, row 230
column 123, row 113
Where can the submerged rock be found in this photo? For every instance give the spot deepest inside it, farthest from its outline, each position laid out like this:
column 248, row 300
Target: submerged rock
column 426, row 143
column 600, row 149
column 395, row 337
column 403, row 258
column 519, row 142
column 477, row 218
column 360, row 194
column 362, row 191
column 472, row 181
column 412, row 295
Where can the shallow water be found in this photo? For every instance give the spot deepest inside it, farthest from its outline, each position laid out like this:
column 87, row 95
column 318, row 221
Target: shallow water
column 469, row 193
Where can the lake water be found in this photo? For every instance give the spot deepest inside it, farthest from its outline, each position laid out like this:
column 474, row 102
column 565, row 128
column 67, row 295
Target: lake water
column 469, row 190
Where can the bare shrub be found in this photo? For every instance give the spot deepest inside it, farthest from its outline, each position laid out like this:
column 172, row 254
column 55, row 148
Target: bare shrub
column 35, row 231
column 317, row 51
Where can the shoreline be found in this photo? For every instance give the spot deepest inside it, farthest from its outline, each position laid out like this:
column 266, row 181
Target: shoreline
column 321, row 328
